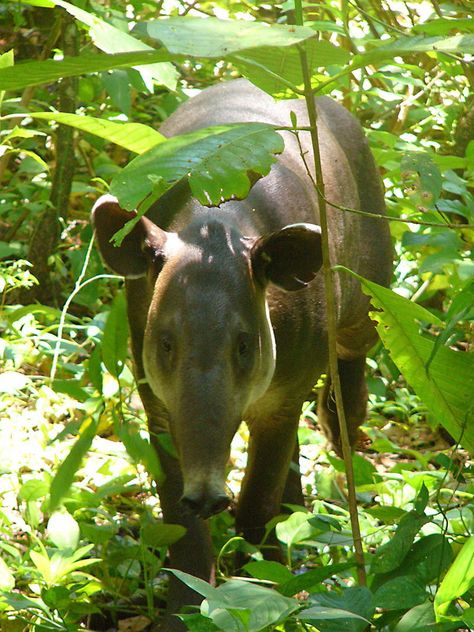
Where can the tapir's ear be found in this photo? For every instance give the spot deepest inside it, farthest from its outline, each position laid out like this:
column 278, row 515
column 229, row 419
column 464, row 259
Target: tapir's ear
column 146, row 241
column 289, row 258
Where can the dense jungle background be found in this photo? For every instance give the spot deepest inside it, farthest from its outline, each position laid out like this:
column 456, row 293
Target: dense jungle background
column 82, row 94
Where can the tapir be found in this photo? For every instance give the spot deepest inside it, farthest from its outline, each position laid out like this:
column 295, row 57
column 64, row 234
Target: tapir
column 228, row 318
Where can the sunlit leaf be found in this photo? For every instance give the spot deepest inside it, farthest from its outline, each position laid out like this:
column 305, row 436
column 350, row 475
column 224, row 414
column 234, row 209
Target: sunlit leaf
column 66, row 472
column 133, row 136
column 32, row 73
column 216, row 161
column 447, row 384
column 7, row 580
column 115, row 337
column 458, row 579
column 215, row 38
column 112, row 40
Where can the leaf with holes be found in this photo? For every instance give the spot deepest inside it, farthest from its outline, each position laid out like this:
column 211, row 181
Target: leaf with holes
column 216, row 160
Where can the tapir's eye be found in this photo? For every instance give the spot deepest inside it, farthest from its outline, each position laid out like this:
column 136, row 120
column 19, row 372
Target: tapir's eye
column 154, row 256
column 245, row 345
column 166, row 344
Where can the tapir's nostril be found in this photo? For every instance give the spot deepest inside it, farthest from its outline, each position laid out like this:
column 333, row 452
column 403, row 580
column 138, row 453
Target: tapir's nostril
column 205, row 506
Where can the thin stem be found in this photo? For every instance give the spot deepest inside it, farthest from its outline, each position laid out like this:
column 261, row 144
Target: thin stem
column 77, row 288
column 331, row 308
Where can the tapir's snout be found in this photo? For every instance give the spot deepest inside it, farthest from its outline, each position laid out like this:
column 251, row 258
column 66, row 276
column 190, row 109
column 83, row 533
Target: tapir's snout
column 204, row 505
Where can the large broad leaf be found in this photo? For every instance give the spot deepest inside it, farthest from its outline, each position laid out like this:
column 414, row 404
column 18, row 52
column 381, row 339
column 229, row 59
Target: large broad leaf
column 135, row 137
column 391, row 554
column 215, row 39
column 266, row 54
column 445, row 380
column 458, row 44
column 216, row 161
column 239, row 605
column 332, row 612
column 37, row 72
column 276, row 70
column 458, row 579
column 112, row 40
column 264, row 606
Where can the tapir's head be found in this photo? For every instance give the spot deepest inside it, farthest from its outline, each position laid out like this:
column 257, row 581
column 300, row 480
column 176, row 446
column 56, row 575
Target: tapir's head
column 209, row 350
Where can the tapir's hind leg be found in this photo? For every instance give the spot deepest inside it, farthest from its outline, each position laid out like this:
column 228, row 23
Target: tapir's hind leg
column 354, row 395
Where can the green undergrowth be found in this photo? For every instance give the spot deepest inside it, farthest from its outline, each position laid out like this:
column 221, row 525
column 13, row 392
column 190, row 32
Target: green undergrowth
column 83, row 547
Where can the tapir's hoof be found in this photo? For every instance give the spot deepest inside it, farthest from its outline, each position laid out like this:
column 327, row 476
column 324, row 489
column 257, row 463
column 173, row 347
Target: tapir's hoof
column 205, row 506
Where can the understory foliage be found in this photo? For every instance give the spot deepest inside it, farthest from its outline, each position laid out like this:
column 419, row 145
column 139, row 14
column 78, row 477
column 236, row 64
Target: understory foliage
column 83, row 89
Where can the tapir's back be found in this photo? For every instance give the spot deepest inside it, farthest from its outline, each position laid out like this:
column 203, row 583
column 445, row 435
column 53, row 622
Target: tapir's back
column 287, row 194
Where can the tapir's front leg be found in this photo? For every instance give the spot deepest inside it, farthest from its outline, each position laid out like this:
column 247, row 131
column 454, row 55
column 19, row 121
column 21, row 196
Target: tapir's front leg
column 271, row 447
column 192, row 553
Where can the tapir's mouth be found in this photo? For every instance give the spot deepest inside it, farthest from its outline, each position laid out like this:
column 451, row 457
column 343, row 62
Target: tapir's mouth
column 205, row 505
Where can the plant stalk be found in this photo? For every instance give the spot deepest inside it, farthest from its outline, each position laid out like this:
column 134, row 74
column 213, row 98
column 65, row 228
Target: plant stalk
column 331, row 308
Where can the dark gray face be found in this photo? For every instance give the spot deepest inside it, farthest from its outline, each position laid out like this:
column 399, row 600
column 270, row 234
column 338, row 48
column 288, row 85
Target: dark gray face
column 208, row 353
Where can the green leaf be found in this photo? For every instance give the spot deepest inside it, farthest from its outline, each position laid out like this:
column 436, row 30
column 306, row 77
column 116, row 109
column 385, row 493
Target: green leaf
column 7, row 580
column 132, row 136
column 351, row 609
column 117, row 84
column 271, row 571
column 296, row 529
column 458, row 44
column 266, row 606
column 429, row 557
column 214, row 38
column 198, row 623
column 141, row 450
column 6, row 60
column 115, row 337
column 63, row 530
column 446, row 386
column 390, row 555
column 199, row 585
column 266, row 54
column 113, row 40
column 64, row 477
column 18, row 602
column 161, row 534
column 275, row 70
column 321, row 613
column 312, row 580
column 421, row 500
column 216, row 160
column 33, row 73
column 458, row 579
column 33, row 489
column 418, row 619
column 386, row 513
column 428, row 173
column 400, row 593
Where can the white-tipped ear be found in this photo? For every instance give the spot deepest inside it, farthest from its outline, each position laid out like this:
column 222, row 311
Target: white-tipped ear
column 143, row 244
column 290, row 257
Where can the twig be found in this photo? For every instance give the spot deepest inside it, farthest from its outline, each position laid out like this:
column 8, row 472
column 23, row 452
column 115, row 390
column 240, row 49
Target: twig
column 77, row 288
column 331, row 309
